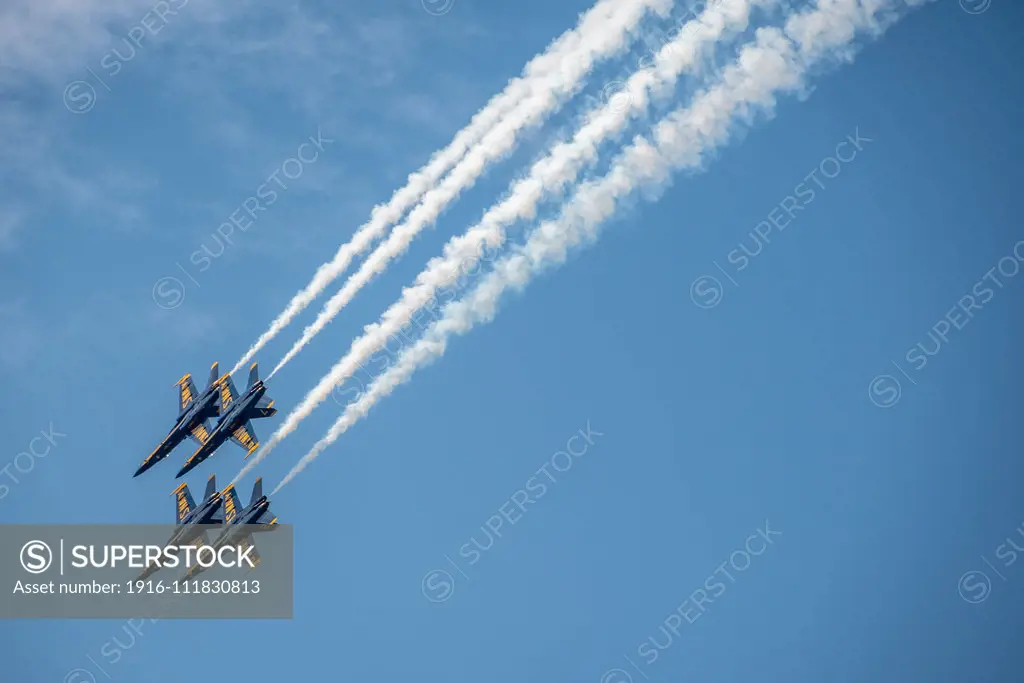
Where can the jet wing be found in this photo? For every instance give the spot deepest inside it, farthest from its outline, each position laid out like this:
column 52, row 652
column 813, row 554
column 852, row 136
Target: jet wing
column 253, row 555
column 245, row 437
column 198, row 542
column 196, row 568
column 267, row 521
column 201, row 433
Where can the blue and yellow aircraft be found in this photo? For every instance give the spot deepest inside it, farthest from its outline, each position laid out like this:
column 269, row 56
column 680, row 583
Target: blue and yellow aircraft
column 190, row 518
column 241, row 523
column 235, row 415
column 195, row 410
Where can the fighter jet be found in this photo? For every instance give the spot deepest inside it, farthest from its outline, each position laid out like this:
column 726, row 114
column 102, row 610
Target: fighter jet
column 235, row 415
column 240, row 524
column 194, row 413
column 190, row 518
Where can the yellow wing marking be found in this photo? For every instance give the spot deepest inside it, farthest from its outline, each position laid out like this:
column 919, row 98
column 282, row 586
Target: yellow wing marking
column 199, row 431
column 248, row 542
column 246, row 439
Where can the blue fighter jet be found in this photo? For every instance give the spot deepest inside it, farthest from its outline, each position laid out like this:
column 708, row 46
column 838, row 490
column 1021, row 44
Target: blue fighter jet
column 235, row 415
column 195, row 411
column 190, row 518
column 241, row 523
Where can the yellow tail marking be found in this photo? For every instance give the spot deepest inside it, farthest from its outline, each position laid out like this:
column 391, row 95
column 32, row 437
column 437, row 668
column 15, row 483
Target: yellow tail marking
column 186, row 395
column 182, row 506
column 230, row 511
column 225, row 395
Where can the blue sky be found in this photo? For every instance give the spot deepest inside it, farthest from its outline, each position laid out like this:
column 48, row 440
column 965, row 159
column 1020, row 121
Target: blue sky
column 706, row 421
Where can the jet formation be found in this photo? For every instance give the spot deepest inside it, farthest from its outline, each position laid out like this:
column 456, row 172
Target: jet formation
column 218, row 508
column 190, row 519
column 220, row 399
column 211, row 418
column 241, row 523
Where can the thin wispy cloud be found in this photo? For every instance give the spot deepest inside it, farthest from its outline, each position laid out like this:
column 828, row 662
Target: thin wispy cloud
column 59, row 59
column 49, row 40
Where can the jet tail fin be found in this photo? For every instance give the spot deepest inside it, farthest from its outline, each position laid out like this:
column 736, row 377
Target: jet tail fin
column 183, row 503
column 254, row 374
column 232, row 506
column 228, row 394
column 257, row 491
column 214, row 375
column 247, row 546
column 186, row 393
column 267, row 520
column 211, row 487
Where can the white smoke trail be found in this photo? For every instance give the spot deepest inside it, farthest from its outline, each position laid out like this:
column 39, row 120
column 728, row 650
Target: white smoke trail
column 777, row 61
column 548, row 176
column 600, row 34
column 499, row 142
